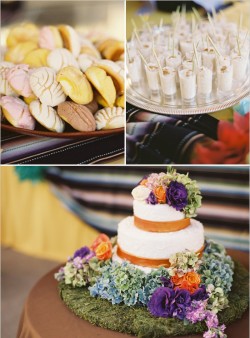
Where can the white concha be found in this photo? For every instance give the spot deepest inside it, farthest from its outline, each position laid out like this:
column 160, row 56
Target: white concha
column 155, row 245
column 46, row 116
column 60, row 58
column 44, row 85
column 5, row 88
column 156, row 212
column 109, row 118
column 85, row 61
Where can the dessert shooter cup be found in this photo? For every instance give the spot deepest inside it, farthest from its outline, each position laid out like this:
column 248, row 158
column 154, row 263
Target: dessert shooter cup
column 146, row 49
column 208, row 58
column 224, row 79
column 187, row 84
column 134, row 69
column 168, row 81
column 204, row 82
column 239, row 67
column 152, row 73
column 186, row 46
column 173, row 60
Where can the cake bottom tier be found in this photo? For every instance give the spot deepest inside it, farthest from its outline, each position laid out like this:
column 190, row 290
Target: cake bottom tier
column 136, row 320
column 155, row 245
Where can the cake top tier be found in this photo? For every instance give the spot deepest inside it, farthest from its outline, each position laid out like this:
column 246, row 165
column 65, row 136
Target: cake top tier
column 176, row 190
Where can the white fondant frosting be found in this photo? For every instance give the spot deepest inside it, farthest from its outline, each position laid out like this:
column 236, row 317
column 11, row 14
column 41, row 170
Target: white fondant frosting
column 156, row 245
column 156, row 212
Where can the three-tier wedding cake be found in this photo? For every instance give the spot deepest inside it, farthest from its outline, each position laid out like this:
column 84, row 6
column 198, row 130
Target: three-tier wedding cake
column 160, row 276
column 159, row 227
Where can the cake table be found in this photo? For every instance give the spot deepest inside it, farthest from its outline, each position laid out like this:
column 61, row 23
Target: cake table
column 46, row 316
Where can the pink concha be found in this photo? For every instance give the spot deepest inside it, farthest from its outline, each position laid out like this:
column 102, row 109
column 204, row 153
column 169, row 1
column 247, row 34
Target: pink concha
column 17, row 112
column 46, row 38
column 18, row 78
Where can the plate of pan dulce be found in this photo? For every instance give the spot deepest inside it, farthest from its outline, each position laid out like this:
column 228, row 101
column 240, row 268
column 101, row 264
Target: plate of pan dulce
column 56, row 82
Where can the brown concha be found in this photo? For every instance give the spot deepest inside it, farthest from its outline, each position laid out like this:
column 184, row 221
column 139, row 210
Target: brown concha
column 77, row 115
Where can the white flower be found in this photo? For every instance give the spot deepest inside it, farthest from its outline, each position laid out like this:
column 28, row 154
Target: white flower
column 140, row 193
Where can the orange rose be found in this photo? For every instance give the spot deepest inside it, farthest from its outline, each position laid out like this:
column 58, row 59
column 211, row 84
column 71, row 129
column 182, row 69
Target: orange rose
column 192, row 278
column 177, row 280
column 144, row 182
column 100, row 239
column 104, row 251
column 160, row 194
column 187, row 286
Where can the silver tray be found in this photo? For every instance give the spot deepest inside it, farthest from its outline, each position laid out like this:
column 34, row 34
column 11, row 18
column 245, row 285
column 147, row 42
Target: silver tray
column 141, row 97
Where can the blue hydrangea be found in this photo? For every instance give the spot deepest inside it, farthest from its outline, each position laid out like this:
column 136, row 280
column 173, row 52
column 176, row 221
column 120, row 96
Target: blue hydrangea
column 216, row 268
column 125, row 283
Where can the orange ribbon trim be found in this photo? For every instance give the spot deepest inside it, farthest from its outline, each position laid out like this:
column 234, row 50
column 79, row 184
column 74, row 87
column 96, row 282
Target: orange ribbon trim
column 161, row 226
column 148, row 262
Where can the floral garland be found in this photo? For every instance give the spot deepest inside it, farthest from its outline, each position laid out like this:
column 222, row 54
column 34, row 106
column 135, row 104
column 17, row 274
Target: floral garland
column 191, row 290
column 176, row 190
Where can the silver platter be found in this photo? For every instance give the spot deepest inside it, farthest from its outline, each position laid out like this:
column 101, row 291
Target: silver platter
column 141, row 97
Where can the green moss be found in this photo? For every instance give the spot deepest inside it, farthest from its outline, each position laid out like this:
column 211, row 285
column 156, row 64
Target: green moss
column 138, row 321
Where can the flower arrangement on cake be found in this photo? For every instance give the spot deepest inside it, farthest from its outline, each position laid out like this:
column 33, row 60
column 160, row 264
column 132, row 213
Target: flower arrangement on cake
column 159, row 276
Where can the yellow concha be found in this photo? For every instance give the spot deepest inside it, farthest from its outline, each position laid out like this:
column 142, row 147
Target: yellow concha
column 114, row 51
column 37, row 58
column 103, row 84
column 92, row 51
column 17, row 53
column 22, row 33
column 115, row 71
column 100, row 100
column 70, row 38
column 119, row 102
column 103, row 44
column 75, row 85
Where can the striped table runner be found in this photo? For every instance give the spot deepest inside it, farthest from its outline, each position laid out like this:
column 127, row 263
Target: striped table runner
column 23, row 149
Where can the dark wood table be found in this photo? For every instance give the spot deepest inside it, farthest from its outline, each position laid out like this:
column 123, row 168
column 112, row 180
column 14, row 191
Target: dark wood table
column 46, row 316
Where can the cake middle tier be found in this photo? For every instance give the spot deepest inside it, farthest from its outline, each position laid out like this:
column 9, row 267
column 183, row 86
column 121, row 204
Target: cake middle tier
column 158, row 245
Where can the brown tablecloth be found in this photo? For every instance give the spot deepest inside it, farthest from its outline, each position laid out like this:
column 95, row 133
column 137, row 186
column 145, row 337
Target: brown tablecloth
column 45, row 315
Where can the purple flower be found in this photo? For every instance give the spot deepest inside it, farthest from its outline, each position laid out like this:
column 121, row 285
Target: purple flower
column 200, row 294
column 177, row 195
column 82, row 252
column 89, row 256
column 167, row 282
column 166, row 302
column 212, row 320
column 182, row 298
column 152, row 198
column 180, row 312
column 77, row 262
column 160, row 304
column 210, row 334
column 196, row 312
